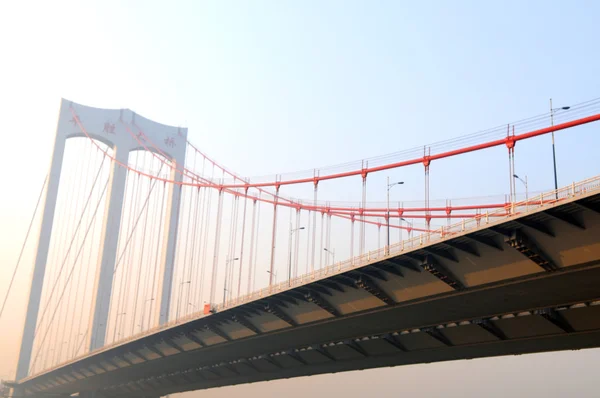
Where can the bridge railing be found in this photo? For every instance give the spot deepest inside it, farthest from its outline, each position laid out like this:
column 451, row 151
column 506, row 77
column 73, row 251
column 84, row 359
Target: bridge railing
column 512, row 210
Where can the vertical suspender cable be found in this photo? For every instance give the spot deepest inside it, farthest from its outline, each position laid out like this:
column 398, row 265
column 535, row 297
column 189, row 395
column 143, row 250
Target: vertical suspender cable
column 216, row 249
column 321, row 235
column 328, row 240
column 273, row 237
column 307, row 242
column 297, row 243
column 362, row 210
column 208, row 192
column 236, row 200
column 64, row 289
column 242, row 244
column 148, row 299
column 314, row 236
column 83, row 190
column 187, row 204
column 250, row 257
column 191, row 277
column 256, row 248
column 352, row 241
column 157, row 256
column 144, row 210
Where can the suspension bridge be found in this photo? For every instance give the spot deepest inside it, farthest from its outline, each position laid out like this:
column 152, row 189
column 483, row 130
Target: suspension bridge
column 159, row 271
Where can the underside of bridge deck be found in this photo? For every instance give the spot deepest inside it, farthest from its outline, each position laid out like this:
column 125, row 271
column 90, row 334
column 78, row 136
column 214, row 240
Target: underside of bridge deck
column 531, row 284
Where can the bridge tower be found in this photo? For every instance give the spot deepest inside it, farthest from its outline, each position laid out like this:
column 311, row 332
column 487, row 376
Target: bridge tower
column 114, row 127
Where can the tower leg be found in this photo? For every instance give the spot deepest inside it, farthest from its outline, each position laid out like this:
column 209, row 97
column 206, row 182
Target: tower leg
column 108, row 251
column 39, row 270
column 170, row 240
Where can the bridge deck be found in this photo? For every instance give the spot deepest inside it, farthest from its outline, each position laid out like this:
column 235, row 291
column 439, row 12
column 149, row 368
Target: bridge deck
column 529, row 283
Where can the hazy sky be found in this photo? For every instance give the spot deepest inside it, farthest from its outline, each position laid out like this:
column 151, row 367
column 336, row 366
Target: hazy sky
column 274, row 86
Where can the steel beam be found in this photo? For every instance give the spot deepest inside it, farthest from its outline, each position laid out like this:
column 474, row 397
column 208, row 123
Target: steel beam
column 431, row 265
column 487, row 241
column 345, row 281
column 405, row 263
column 566, row 217
column 238, row 318
column 214, row 329
column 538, row 226
column 190, row 336
column 464, row 247
column 491, row 328
column 372, row 272
column 595, row 207
column 557, row 319
column 448, row 255
column 315, row 298
column 389, row 267
column 390, row 339
column 274, row 310
column 368, row 285
column 439, row 336
column 173, row 344
column 331, row 285
column 524, row 245
column 356, row 347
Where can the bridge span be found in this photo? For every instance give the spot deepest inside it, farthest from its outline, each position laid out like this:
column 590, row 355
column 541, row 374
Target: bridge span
column 526, row 283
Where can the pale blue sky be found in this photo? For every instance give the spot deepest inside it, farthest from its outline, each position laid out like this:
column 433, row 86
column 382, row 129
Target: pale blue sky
column 275, row 86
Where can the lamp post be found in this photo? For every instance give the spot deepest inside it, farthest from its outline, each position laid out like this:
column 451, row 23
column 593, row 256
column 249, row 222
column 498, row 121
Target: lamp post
column 290, row 252
column 389, row 186
column 410, row 225
column 526, row 189
column 227, row 262
column 331, row 253
column 274, row 276
column 552, row 110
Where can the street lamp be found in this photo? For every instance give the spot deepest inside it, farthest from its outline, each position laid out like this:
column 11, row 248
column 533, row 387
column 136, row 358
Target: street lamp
column 552, row 110
column 331, row 253
column 274, row 275
column 526, row 189
column 227, row 262
column 389, row 186
column 410, row 225
column 290, row 252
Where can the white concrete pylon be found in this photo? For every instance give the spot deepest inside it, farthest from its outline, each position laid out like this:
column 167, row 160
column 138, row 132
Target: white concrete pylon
column 109, row 126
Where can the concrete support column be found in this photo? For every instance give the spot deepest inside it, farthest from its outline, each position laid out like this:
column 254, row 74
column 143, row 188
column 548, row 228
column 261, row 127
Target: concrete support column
column 39, row 270
column 108, row 251
column 169, row 244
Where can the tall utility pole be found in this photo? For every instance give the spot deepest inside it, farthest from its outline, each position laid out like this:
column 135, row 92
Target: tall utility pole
column 290, row 252
column 553, row 146
column 388, row 209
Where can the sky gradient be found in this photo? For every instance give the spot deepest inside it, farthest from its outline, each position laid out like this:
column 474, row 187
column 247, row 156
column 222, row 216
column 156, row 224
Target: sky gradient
column 275, row 86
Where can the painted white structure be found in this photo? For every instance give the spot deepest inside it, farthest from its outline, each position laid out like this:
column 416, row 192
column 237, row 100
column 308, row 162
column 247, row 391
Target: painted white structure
column 110, row 127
